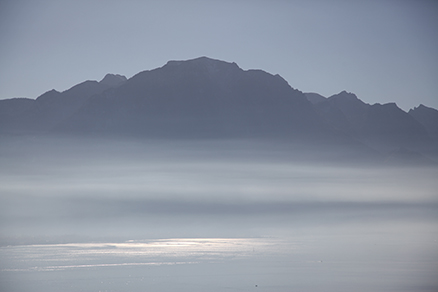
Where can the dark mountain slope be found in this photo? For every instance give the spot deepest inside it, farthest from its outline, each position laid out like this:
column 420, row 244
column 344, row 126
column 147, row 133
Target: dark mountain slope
column 314, row 98
column 200, row 98
column 206, row 98
column 382, row 127
column 428, row 117
column 344, row 111
column 387, row 126
column 52, row 107
column 10, row 112
column 10, row 108
column 113, row 80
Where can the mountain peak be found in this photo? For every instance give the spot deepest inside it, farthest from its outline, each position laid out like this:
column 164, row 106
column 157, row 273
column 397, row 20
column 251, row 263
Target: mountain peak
column 345, row 96
column 421, row 107
column 113, row 80
column 199, row 60
column 48, row 95
column 212, row 65
column 345, row 93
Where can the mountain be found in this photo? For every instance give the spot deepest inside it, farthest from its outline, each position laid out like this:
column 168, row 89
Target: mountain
column 10, row 108
column 428, row 117
column 385, row 128
column 314, row 98
column 113, row 80
column 53, row 107
column 343, row 111
column 200, row 98
column 206, row 98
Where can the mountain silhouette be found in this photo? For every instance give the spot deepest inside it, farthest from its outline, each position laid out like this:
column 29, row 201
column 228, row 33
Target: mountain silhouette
column 205, row 98
column 11, row 108
column 385, row 128
column 113, row 80
column 314, row 98
column 51, row 108
column 428, row 117
column 199, row 98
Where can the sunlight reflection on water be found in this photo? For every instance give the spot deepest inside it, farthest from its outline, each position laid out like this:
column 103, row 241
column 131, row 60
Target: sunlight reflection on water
column 338, row 261
column 52, row 257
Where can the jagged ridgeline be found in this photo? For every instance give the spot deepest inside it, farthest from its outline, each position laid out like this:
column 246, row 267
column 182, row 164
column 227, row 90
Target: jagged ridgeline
column 211, row 99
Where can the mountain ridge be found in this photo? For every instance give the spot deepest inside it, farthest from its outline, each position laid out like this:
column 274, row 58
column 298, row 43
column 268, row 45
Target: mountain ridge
column 207, row 98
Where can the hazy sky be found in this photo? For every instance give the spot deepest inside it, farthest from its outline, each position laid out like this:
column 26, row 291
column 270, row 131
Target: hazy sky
column 383, row 51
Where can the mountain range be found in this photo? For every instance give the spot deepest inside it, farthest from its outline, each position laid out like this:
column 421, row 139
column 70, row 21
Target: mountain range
column 205, row 98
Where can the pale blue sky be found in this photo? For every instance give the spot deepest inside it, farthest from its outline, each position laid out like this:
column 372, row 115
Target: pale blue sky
column 384, row 51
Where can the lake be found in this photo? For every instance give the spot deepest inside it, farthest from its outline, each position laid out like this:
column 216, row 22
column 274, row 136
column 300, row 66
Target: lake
column 106, row 215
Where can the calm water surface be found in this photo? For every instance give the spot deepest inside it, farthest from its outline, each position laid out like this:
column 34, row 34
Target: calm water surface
column 154, row 217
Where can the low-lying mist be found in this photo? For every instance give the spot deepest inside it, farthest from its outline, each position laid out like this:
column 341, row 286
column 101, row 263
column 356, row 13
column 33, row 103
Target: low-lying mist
column 68, row 189
column 104, row 214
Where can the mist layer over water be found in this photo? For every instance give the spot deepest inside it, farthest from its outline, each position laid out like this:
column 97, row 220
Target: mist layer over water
column 94, row 215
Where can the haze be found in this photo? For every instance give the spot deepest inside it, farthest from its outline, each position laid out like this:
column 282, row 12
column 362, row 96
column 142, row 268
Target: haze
column 90, row 214
column 197, row 172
